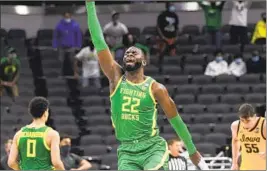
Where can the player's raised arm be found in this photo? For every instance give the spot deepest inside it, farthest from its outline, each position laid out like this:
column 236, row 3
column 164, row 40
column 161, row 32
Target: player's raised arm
column 55, row 151
column 109, row 66
column 14, row 153
column 167, row 104
column 235, row 145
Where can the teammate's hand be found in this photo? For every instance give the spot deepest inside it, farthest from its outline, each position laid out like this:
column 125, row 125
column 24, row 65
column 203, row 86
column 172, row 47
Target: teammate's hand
column 235, row 166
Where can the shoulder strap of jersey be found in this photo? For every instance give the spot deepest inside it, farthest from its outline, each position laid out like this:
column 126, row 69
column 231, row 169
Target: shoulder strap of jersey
column 238, row 126
column 262, row 125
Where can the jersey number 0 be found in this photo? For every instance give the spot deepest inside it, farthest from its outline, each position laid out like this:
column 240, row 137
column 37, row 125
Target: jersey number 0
column 31, row 148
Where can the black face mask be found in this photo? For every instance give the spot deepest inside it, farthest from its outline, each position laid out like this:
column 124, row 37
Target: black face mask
column 131, row 68
column 65, row 150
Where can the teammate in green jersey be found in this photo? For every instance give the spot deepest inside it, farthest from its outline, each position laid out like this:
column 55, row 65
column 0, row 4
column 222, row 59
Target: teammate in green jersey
column 36, row 146
column 134, row 97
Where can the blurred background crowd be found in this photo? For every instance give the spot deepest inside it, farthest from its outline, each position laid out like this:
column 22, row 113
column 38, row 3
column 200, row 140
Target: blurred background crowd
column 211, row 55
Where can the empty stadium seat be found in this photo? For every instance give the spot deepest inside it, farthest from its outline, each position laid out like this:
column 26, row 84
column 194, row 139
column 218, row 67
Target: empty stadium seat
column 229, row 118
column 190, row 29
column 193, row 108
column 223, row 128
column 109, row 159
column 202, row 79
column 150, row 30
column 110, row 140
column 200, row 128
column 187, row 89
column 259, row 88
column 225, row 79
column 151, row 70
column 238, row 88
column 193, row 69
column 219, row 108
column 206, row 118
column 182, row 40
column 207, row 99
column 232, row 98
column 95, row 120
column 95, row 110
column 91, row 140
column 255, row 98
column 168, row 136
column 16, row 34
column 216, row 138
column 206, row 49
column 250, row 79
column 207, row 149
column 93, row 101
column 194, row 59
column 95, row 150
column 45, row 34
column 168, row 129
column 103, row 130
column 196, row 137
column 184, row 99
column 178, row 80
column 172, row 70
column 212, row 89
column 134, row 31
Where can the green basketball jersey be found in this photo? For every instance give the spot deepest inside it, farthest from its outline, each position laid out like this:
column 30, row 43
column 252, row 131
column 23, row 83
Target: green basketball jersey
column 134, row 112
column 34, row 153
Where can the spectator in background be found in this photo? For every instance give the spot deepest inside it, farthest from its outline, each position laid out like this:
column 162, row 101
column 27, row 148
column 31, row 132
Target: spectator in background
column 114, row 30
column 259, row 35
column 9, row 74
column 90, row 66
column 256, row 64
column 71, row 161
column 176, row 161
column 67, row 38
column 238, row 22
column 167, row 27
column 238, row 66
column 4, row 159
column 213, row 15
column 128, row 41
column 218, row 66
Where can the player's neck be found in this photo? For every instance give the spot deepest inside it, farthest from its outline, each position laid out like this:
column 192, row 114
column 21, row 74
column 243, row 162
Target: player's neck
column 135, row 77
column 37, row 123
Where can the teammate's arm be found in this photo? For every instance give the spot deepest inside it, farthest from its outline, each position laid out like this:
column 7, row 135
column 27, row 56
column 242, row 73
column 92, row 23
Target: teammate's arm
column 55, row 151
column 109, row 66
column 14, row 153
column 235, row 145
column 167, row 104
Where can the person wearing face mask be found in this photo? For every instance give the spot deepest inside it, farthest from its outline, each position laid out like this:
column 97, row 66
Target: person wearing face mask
column 128, row 41
column 218, row 66
column 67, row 38
column 71, row 161
column 4, row 165
column 167, row 27
column 90, row 66
column 213, row 15
column 256, row 64
column 9, row 74
column 114, row 30
column 238, row 66
column 259, row 35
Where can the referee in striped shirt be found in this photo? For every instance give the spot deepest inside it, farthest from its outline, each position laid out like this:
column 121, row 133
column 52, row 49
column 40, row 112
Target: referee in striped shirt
column 176, row 161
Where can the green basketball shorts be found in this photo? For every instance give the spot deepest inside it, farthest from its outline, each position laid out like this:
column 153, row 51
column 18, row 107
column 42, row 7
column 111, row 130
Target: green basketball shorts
column 149, row 154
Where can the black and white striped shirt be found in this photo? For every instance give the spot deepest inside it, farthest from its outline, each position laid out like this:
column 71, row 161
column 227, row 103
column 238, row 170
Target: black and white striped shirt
column 177, row 163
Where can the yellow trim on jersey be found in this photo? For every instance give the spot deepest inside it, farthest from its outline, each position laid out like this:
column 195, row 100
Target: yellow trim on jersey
column 112, row 123
column 18, row 139
column 117, row 86
column 44, row 138
column 134, row 84
column 151, row 93
column 154, row 124
column 164, row 158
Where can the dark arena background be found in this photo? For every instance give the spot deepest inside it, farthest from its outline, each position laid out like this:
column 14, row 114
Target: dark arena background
column 208, row 72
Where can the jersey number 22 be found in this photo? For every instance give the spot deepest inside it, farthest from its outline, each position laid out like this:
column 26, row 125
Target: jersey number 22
column 130, row 104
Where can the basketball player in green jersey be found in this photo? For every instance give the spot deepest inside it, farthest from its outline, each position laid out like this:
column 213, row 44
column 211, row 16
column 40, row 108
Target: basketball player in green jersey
column 134, row 97
column 36, row 146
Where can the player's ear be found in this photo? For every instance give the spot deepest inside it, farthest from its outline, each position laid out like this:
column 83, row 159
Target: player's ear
column 144, row 63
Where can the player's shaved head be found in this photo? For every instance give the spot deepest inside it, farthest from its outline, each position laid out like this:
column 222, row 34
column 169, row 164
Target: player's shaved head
column 38, row 106
column 246, row 111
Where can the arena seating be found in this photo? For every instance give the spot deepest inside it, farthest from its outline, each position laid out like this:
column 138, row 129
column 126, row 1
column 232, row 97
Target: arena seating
column 207, row 104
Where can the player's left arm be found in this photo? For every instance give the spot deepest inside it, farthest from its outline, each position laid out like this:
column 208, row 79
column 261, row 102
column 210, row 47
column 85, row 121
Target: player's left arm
column 15, row 79
column 167, row 104
column 14, row 153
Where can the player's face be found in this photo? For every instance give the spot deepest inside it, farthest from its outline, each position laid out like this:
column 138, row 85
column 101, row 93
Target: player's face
column 176, row 148
column 133, row 59
column 248, row 123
